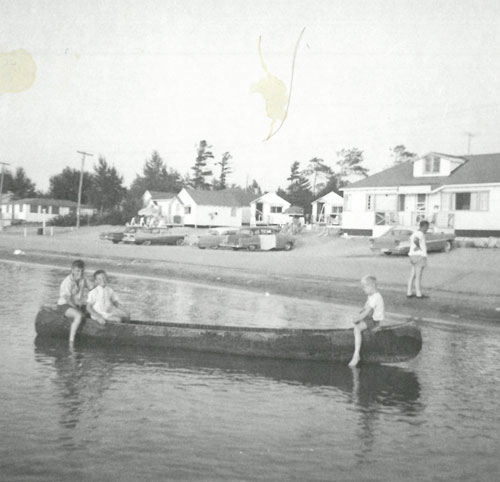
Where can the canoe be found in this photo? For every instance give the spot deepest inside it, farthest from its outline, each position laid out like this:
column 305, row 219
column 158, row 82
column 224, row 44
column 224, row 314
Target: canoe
column 388, row 344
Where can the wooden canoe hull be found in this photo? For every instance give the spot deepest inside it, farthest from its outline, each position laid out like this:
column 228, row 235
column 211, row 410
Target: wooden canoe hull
column 394, row 343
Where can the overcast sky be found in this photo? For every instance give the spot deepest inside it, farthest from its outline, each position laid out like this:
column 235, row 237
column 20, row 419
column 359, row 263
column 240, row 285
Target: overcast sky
column 122, row 78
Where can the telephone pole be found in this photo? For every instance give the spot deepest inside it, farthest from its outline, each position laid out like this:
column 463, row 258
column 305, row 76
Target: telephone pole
column 1, row 193
column 80, row 188
column 470, row 135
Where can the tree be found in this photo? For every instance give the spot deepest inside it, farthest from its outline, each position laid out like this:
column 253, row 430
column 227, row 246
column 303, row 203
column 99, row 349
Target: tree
column 65, row 185
column 298, row 192
column 350, row 161
column 107, row 189
column 225, row 169
column 399, row 154
column 254, row 188
column 20, row 185
column 200, row 169
column 320, row 173
column 333, row 184
column 156, row 177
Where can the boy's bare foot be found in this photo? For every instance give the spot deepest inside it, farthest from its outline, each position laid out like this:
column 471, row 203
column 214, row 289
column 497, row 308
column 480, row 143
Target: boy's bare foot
column 354, row 361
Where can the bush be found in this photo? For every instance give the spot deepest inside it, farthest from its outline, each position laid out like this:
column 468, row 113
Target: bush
column 115, row 217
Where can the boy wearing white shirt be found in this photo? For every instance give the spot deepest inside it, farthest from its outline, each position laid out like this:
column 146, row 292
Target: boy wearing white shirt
column 102, row 303
column 418, row 260
column 370, row 316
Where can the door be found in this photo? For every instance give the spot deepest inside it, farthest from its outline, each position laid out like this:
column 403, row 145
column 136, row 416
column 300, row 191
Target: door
column 259, row 211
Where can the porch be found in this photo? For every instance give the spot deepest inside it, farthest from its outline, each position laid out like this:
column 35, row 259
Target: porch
column 440, row 219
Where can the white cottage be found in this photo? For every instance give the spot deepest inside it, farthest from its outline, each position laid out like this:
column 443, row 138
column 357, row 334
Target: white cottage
column 328, row 209
column 227, row 207
column 162, row 205
column 460, row 193
column 269, row 209
column 37, row 210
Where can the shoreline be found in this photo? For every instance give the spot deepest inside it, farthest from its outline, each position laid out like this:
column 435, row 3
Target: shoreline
column 443, row 306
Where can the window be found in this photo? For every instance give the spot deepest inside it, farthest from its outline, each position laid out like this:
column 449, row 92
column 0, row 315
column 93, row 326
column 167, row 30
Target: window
column 401, row 202
column 276, row 209
column 187, row 209
column 369, row 202
column 55, row 209
column 233, row 212
column 432, row 165
column 33, row 208
column 20, row 207
column 472, row 201
column 462, row 201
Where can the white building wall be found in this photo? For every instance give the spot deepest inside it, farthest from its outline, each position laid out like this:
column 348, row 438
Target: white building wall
column 478, row 220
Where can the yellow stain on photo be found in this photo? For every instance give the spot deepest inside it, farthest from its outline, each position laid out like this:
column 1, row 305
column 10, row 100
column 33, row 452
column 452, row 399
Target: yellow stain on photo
column 17, row 71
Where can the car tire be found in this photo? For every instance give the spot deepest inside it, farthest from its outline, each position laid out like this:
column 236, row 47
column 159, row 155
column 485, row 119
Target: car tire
column 115, row 242
column 447, row 247
column 201, row 247
column 387, row 253
column 146, row 243
column 179, row 242
column 215, row 246
column 252, row 247
column 288, row 246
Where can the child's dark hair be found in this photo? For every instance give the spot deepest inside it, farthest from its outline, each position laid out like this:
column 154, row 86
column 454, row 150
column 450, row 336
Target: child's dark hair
column 424, row 223
column 78, row 263
column 98, row 272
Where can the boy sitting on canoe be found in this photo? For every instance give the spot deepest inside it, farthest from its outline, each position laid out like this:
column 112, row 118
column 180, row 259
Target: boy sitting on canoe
column 71, row 299
column 102, row 303
column 370, row 316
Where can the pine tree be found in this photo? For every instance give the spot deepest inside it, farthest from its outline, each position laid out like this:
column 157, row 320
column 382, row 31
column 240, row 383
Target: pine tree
column 201, row 170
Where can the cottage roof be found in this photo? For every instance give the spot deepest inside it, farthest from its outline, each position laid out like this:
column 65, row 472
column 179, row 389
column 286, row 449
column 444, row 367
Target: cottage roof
column 157, row 195
column 224, row 197
column 477, row 169
column 331, row 198
column 49, row 202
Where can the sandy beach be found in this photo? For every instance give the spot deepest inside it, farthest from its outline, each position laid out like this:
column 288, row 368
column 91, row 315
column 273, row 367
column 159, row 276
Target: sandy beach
column 462, row 285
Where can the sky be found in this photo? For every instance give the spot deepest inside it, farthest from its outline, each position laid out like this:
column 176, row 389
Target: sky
column 121, row 78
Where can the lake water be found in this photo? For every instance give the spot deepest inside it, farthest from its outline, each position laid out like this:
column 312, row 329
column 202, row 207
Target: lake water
column 95, row 414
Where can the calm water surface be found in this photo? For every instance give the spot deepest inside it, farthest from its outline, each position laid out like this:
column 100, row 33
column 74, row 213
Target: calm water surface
column 95, row 414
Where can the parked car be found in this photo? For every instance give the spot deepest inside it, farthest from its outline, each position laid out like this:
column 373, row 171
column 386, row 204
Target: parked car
column 397, row 241
column 117, row 236
column 154, row 236
column 259, row 237
column 215, row 237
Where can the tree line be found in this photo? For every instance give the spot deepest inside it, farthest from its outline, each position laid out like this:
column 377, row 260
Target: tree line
column 104, row 189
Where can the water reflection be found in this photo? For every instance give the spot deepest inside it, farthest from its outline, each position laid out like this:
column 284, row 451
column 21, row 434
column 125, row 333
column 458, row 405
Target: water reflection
column 84, row 375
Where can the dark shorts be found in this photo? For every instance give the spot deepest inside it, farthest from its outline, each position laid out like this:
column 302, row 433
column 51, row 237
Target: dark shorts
column 63, row 308
column 371, row 323
column 418, row 261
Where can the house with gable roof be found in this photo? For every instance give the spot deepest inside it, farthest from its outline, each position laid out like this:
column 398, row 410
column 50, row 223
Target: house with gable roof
column 38, row 210
column 227, row 207
column 269, row 209
column 163, row 205
column 460, row 193
column 327, row 209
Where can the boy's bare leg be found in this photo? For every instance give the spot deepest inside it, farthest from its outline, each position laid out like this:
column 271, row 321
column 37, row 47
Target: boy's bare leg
column 409, row 290
column 418, row 279
column 77, row 316
column 358, row 340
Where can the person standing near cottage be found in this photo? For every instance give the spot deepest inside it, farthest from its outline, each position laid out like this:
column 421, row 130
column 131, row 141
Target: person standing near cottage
column 418, row 260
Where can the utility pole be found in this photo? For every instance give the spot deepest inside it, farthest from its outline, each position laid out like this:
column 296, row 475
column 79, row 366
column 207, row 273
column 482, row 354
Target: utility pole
column 470, row 135
column 1, row 193
column 80, row 188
